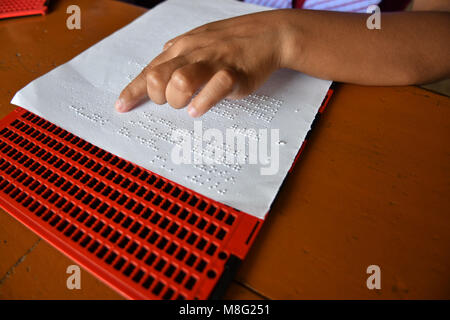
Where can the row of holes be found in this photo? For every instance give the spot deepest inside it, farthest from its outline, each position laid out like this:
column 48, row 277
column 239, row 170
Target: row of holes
column 95, row 203
column 118, row 179
column 68, row 230
column 120, row 262
column 89, row 221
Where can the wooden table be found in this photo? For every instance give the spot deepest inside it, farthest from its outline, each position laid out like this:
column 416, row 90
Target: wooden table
column 373, row 187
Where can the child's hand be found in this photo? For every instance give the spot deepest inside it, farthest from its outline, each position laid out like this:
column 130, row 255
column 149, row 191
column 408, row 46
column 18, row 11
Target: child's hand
column 228, row 58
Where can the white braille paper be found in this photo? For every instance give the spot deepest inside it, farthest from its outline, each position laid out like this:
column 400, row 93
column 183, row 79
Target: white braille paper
column 79, row 96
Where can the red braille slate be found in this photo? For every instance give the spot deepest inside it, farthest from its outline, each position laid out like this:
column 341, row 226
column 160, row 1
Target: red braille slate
column 144, row 235
column 19, row 8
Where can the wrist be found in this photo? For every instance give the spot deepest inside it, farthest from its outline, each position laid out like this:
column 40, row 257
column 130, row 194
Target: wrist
column 292, row 35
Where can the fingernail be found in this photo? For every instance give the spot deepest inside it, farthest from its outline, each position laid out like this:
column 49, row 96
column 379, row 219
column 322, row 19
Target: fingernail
column 119, row 105
column 192, row 111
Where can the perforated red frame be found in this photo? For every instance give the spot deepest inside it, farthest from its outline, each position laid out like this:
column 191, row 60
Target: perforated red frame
column 146, row 236
column 19, row 8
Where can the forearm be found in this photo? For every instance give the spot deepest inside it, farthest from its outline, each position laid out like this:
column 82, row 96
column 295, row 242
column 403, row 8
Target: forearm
column 410, row 48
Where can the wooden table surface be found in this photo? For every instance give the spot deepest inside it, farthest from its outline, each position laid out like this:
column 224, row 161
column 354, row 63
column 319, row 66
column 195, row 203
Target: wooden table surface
column 372, row 188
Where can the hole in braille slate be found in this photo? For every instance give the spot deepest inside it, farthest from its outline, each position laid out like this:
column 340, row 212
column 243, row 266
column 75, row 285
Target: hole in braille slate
column 192, row 237
column 201, row 244
column 201, row 225
column 166, row 204
column 220, row 215
column 102, row 252
column 63, row 225
column 70, row 231
column 129, row 269
column 155, row 218
column 211, row 210
column 221, row 234
column 111, row 212
column 149, row 195
column 94, row 246
column 144, row 233
column 211, row 274
column 141, row 253
column 144, row 176
column 138, row 209
column 191, row 260
column 130, row 204
column 169, row 293
column 119, row 264
column 99, row 226
column 152, row 179
column 122, row 199
column 75, row 212
column 136, row 172
column 123, row 242
column 159, row 184
column 154, row 236
column 148, row 282
column 192, row 218
column 107, row 191
column 180, row 276
column 141, row 191
column 211, row 249
column 173, row 228
column 167, row 188
column 78, row 236
column 171, row 249
column 201, row 265
column 202, row 205
column 160, row 264
column 181, row 254
column 193, row 201
column 138, row 276
column 88, row 199
column 183, row 214
column 190, row 283
column 183, row 232
column 175, row 209
column 184, row 196
column 132, row 247
column 103, row 208
column 162, row 243
column 118, row 217
column 158, row 288
column 118, row 179
column 106, row 232
column 222, row 255
column 157, row 200
column 48, row 215
column 111, row 257
column 164, row 223
column 127, row 222
column 110, row 175
column 150, row 259
column 115, row 236
column 147, row 213
column 126, row 183
column 133, row 187
column 212, row 227
column 230, row 219
column 169, row 271
column 136, row 226
column 89, row 223
column 85, row 241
